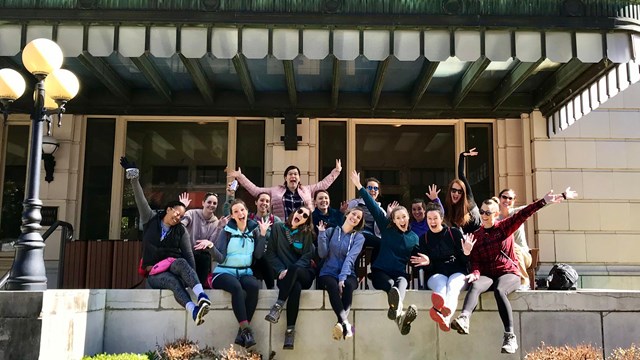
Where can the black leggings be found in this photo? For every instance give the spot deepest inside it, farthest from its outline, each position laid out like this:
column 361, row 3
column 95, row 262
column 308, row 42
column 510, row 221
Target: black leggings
column 180, row 273
column 203, row 264
column 244, row 293
column 381, row 281
column 291, row 286
column 262, row 270
column 501, row 286
column 341, row 304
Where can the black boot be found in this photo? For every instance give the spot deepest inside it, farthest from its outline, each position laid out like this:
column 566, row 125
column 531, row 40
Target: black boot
column 247, row 337
column 289, row 338
column 239, row 339
column 274, row 314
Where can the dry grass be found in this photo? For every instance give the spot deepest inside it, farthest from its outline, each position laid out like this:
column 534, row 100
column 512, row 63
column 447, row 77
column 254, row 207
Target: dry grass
column 580, row 352
column 630, row 353
column 185, row 349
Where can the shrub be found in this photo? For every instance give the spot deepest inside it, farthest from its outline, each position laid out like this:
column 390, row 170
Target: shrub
column 128, row 356
column 185, row 349
column 580, row 352
column 631, row 353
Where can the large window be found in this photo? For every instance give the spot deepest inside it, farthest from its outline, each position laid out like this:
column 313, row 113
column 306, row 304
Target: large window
column 15, row 173
column 479, row 170
column 250, row 156
column 406, row 159
column 96, row 182
column 332, row 146
column 173, row 158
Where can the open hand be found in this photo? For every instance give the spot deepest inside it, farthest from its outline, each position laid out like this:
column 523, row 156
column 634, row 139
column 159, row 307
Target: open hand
column 569, row 194
column 433, row 192
column 264, row 226
column 392, row 206
column 471, row 278
column 184, row 199
column 124, row 162
column 355, row 179
column 420, row 260
column 467, row 242
column 471, row 152
column 322, row 226
column 202, row 244
column 344, row 206
column 233, row 173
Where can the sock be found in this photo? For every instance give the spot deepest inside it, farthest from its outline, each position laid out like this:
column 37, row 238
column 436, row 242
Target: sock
column 291, row 327
column 190, row 307
column 197, row 289
column 280, row 302
column 244, row 324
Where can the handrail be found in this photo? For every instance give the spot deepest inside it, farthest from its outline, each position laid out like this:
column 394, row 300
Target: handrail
column 67, row 235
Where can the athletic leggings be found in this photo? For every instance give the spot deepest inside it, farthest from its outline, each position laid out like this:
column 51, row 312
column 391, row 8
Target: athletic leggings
column 180, row 273
column 382, row 281
column 262, row 270
column 203, row 265
column 501, row 286
column 341, row 304
column 244, row 293
column 291, row 286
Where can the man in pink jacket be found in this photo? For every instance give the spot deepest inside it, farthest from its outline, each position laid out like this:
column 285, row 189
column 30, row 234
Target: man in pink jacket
column 291, row 195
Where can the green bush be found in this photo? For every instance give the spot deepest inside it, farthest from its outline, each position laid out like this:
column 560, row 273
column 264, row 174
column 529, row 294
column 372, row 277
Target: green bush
column 128, row 356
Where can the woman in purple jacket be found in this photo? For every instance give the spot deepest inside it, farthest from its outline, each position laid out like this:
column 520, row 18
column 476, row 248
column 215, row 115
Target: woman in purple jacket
column 340, row 246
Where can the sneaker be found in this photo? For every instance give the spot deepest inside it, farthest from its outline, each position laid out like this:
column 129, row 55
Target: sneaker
column 274, row 314
column 337, row 333
column 395, row 305
column 404, row 321
column 199, row 312
column 509, row 343
column 247, row 337
column 289, row 338
column 461, row 324
column 439, row 318
column 347, row 330
column 203, row 299
column 445, row 311
column 239, row 339
column 437, row 300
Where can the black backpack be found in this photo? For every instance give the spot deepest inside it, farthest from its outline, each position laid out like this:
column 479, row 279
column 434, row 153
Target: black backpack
column 562, row 277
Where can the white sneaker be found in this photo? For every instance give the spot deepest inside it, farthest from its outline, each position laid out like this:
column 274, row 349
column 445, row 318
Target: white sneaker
column 509, row 343
column 347, row 330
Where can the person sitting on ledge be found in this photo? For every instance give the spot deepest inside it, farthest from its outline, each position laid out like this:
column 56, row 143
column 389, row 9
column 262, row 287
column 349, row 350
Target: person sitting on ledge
column 289, row 251
column 340, row 246
column 167, row 256
column 388, row 271
column 242, row 241
column 494, row 266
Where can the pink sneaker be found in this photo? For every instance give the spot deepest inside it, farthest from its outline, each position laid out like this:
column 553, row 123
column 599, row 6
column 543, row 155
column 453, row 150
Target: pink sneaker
column 440, row 319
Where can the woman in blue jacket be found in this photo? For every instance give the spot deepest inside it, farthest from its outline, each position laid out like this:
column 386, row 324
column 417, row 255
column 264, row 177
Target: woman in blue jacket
column 388, row 271
column 241, row 241
column 340, row 246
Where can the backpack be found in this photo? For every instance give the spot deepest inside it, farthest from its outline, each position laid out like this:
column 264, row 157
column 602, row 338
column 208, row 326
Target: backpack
column 562, row 277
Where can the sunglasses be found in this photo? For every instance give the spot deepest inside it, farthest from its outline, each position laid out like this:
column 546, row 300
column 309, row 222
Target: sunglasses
column 485, row 212
column 304, row 214
column 457, row 191
column 374, row 188
column 506, row 197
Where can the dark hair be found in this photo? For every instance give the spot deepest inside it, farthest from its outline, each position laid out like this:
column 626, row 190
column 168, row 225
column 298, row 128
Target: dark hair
column 236, row 202
column 289, row 168
column 491, row 202
column 360, row 225
column 436, row 208
column 315, row 194
column 393, row 213
column 173, row 203
column 308, row 226
column 506, row 190
column 206, row 196
column 263, row 193
column 457, row 214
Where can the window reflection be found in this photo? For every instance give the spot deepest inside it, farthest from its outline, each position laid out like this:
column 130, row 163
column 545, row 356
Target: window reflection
column 15, row 175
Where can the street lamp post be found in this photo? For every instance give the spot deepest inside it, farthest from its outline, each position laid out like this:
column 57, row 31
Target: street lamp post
column 42, row 58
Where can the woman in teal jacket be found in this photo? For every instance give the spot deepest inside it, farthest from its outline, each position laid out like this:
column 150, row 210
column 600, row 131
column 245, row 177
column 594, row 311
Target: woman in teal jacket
column 388, row 271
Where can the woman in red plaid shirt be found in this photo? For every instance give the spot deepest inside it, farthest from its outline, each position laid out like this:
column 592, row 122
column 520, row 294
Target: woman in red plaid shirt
column 493, row 265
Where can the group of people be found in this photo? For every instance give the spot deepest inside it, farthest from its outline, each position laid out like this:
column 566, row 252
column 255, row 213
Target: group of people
column 458, row 245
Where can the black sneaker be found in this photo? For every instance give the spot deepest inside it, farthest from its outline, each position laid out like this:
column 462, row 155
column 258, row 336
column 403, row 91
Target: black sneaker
column 289, row 338
column 239, row 339
column 404, row 321
column 203, row 299
column 247, row 337
column 395, row 305
column 274, row 314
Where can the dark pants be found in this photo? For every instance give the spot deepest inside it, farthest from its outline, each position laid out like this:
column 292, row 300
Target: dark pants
column 262, row 270
column 175, row 278
column 203, row 265
column 291, row 287
column 341, row 304
column 244, row 293
column 382, row 281
column 501, row 287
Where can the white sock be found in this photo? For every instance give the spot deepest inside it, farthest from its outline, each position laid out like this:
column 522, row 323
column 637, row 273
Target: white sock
column 198, row 289
column 190, row 306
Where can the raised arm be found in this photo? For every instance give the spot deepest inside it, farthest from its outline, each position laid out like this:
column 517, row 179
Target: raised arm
column 246, row 183
column 375, row 210
column 432, row 194
column 231, row 196
column 323, row 246
column 260, row 234
column 461, row 163
column 352, row 255
column 328, row 180
column 512, row 223
column 133, row 174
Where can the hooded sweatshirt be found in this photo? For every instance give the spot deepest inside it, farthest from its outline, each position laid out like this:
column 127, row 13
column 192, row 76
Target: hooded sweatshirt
column 235, row 250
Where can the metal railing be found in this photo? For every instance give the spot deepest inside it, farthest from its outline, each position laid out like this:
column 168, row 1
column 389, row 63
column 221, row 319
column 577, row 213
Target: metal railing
column 65, row 236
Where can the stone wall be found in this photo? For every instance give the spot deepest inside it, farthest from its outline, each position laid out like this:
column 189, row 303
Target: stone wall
column 76, row 322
